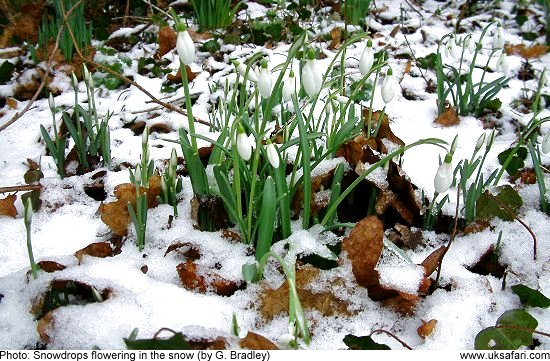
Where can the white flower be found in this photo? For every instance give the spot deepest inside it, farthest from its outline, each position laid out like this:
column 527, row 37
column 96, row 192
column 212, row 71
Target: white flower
column 244, row 145
column 443, row 177
column 450, row 47
column 85, row 73
column 185, row 48
column 546, row 143
column 367, row 59
column 241, row 68
column 502, row 63
column 28, row 211
column 498, row 38
column 272, row 155
column 173, row 158
column 388, row 87
column 51, row 102
column 471, row 44
column 480, row 141
column 264, row 81
column 137, row 174
column 74, row 81
column 91, row 84
column 312, row 79
column 341, row 99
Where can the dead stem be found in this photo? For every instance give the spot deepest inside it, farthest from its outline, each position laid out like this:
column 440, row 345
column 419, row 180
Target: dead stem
column 392, row 336
column 511, row 212
column 451, row 239
column 31, row 187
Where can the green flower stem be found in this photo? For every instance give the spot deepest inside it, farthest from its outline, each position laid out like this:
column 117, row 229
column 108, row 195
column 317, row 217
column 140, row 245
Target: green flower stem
column 535, row 156
column 253, row 181
column 189, row 108
column 306, row 165
column 34, row 267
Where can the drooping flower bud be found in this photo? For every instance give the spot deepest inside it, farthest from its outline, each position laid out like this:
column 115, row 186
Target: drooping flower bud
column 185, row 47
column 145, row 136
column 51, row 103
column 264, row 81
column 367, row 59
column 502, row 63
column 85, row 73
column 272, row 154
column 28, row 211
column 241, row 68
column 74, row 81
column 244, row 146
column 289, row 87
column 388, row 87
column 498, row 38
column 444, row 176
column 312, row 79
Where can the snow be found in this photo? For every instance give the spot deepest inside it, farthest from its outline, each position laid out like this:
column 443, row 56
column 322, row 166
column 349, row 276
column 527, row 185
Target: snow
column 69, row 220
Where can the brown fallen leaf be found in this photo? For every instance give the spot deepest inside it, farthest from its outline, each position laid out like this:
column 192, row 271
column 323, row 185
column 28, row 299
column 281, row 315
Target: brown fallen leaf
column 273, row 302
column 335, row 37
column 115, row 214
column 50, row 266
column 253, row 341
column 427, row 328
column 206, row 280
column 167, row 40
column 363, row 247
column 532, row 52
column 7, row 206
column 99, row 250
column 45, row 326
column 448, row 118
column 431, row 262
column 176, row 79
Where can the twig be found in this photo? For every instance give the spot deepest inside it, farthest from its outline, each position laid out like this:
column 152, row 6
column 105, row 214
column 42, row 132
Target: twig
column 451, row 239
column 412, row 52
column 31, row 187
column 392, row 336
column 511, row 212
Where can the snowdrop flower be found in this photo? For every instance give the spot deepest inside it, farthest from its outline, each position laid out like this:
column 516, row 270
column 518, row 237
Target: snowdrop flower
column 480, row 142
column 137, row 174
column 502, row 63
column 546, row 143
column 312, row 79
column 471, row 44
column 450, row 47
column 388, row 87
column 264, row 81
column 241, row 68
column 287, row 338
column 51, row 102
column 341, row 99
column 244, row 145
column 272, row 154
column 498, row 38
column 185, row 47
column 444, row 176
column 90, row 82
column 145, row 136
column 289, row 87
column 367, row 59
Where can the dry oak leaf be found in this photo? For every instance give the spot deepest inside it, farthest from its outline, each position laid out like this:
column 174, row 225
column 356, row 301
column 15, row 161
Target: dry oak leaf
column 427, row 328
column 115, row 214
column 253, row 341
column 532, row 52
column 335, row 37
column 50, row 266
column 364, row 247
column 448, row 118
column 176, row 79
column 384, row 130
column 7, row 207
column 99, row 249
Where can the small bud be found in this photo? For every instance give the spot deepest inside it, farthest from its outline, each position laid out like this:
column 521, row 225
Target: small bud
column 341, row 99
column 51, row 103
column 91, row 83
column 367, row 59
column 498, row 38
column 85, row 73
column 264, row 81
column 145, row 136
column 272, row 154
column 185, row 48
column 443, row 177
column 480, row 142
column 388, row 87
column 490, row 140
column 244, row 146
column 173, row 158
column 241, row 68
column 137, row 174
column 28, row 211
column 471, row 45
column 74, row 80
